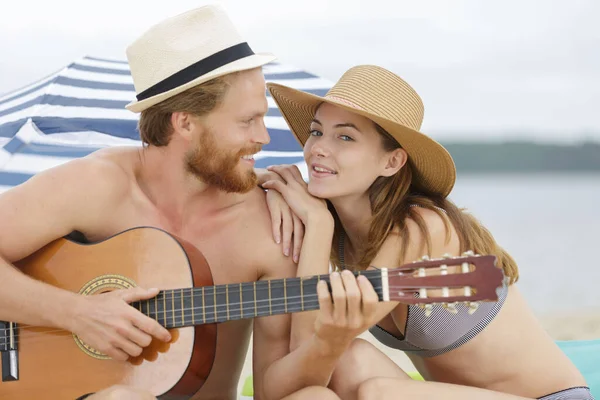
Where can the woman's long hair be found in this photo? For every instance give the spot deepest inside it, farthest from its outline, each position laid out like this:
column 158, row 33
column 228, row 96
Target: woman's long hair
column 392, row 202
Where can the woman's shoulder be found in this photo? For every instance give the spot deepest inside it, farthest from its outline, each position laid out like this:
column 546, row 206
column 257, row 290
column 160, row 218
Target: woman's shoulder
column 425, row 225
column 435, row 221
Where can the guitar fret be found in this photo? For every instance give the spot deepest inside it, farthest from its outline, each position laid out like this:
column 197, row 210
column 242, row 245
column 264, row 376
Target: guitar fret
column 227, row 300
column 156, row 307
column 209, row 304
column 293, row 292
column 246, row 311
column 175, row 308
column 285, row 295
column 277, row 293
column 12, row 335
column 165, row 306
column 182, row 310
column 262, row 299
column 186, row 304
column 215, row 302
column 222, row 301
column 235, row 304
column 192, row 294
column 255, row 307
column 270, row 306
column 141, row 308
column 173, row 305
column 159, row 309
column 302, row 294
column 309, row 292
column 241, row 302
column 203, row 307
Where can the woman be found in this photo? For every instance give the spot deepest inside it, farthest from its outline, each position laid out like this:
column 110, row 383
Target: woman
column 386, row 187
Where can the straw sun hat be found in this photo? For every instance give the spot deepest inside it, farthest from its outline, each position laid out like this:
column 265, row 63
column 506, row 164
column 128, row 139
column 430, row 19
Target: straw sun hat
column 386, row 99
column 187, row 50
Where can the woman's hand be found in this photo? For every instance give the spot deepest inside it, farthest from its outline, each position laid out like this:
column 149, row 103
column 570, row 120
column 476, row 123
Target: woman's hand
column 295, row 192
column 349, row 310
column 264, row 175
column 284, row 222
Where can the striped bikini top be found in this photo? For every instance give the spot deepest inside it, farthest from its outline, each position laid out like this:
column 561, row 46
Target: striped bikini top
column 441, row 331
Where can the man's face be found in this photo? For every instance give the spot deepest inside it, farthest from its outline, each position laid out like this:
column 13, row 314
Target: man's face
column 231, row 134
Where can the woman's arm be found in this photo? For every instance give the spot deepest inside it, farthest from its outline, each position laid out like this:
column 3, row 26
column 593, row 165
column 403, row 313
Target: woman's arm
column 316, row 248
column 286, row 225
column 318, row 234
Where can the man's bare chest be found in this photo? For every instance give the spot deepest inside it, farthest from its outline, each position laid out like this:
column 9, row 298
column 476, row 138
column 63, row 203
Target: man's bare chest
column 225, row 243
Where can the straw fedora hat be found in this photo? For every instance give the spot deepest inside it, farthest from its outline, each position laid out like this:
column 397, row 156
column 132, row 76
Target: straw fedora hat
column 187, row 50
column 386, row 99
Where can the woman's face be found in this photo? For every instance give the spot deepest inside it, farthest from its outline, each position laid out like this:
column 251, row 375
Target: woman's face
column 344, row 153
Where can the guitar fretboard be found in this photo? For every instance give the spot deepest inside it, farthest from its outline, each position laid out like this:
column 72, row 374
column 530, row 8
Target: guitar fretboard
column 176, row 308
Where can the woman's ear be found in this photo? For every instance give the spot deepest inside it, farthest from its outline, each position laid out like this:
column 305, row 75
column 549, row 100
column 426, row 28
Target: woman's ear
column 395, row 160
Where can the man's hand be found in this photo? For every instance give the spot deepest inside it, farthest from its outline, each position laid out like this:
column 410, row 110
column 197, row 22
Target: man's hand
column 110, row 325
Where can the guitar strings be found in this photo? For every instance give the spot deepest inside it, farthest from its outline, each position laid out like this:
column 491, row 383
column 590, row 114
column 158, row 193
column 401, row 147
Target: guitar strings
column 209, row 311
column 168, row 301
column 63, row 334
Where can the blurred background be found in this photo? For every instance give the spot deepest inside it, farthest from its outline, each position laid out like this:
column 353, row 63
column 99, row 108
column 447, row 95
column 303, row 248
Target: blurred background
column 511, row 88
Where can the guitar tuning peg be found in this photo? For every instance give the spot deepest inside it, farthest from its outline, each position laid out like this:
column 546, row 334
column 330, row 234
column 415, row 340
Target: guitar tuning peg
column 472, row 307
column 446, row 255
column 425, row 258
column 428, row 309
column 469, row 253
column 450, row 307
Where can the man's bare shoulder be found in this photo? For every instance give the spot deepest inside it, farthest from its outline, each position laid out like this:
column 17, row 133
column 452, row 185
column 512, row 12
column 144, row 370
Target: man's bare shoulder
column 106, row 172
column 103, row 169
column 273, row 263
column 255, row 209
column 78, row 195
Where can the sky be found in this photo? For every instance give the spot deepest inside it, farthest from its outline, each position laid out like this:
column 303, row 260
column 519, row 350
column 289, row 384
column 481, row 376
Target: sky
column 484, row 69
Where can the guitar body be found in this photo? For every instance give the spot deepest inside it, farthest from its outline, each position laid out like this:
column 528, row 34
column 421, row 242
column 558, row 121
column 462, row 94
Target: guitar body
column 53, row 364
column 49, row 363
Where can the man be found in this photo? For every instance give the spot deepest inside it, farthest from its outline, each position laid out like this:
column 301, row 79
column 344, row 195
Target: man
column 202, row 96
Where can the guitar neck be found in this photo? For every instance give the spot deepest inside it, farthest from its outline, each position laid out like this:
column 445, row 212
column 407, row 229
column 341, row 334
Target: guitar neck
column 176, row 308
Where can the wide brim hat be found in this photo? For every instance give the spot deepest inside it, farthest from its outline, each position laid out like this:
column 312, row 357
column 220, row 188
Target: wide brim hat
column 185, row 51
column 386, row 99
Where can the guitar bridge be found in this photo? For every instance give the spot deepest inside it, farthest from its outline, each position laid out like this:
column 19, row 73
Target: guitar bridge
column 9, row 351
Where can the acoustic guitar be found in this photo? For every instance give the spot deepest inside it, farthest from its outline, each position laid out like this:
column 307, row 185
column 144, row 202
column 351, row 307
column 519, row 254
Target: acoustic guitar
column 48, row 363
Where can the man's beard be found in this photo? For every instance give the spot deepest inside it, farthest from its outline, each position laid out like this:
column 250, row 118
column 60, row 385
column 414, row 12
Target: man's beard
column 217, row 167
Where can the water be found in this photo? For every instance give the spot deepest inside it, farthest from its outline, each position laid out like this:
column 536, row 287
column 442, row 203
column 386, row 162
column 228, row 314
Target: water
column 550, row 224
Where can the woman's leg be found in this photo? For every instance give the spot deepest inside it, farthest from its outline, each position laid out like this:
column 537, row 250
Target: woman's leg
column 361, row 362
column 312, row 393
column 392, row 389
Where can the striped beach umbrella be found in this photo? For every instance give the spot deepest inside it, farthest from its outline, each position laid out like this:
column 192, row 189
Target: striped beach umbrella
column 81, row 108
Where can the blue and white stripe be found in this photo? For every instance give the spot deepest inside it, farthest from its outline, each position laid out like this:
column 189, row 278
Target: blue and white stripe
column 81, row 108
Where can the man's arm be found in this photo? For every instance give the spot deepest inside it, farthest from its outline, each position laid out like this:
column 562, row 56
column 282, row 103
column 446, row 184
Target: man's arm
column 46, row 207
column 73, row 196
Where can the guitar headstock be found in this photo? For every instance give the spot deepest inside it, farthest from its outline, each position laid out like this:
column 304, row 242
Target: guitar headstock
column 448, row 280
